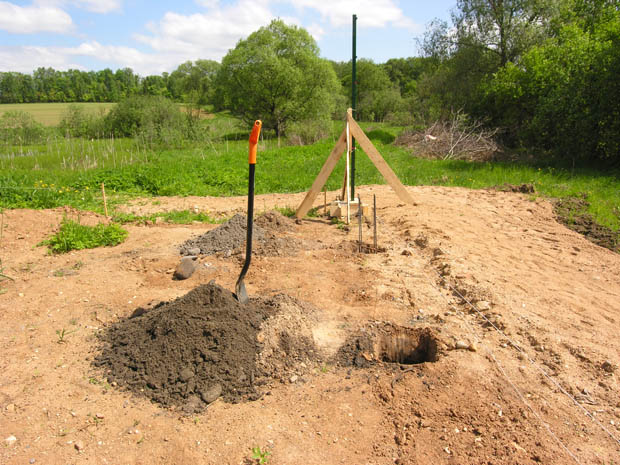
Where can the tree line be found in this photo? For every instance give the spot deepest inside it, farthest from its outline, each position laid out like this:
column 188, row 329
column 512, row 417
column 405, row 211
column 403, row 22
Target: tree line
column 544, row 72
column 189, row 82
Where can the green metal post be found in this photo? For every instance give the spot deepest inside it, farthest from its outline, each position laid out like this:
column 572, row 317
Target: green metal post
column 353, row 101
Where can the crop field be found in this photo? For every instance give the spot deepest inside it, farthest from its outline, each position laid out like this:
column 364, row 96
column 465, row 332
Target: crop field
column 50, row 114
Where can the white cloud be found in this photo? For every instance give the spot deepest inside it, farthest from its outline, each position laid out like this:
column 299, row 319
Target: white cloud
column 32, row 19
column 371, row 13
column 96, row 6
column 25, row 59
column 207, row 35
column 99, row 6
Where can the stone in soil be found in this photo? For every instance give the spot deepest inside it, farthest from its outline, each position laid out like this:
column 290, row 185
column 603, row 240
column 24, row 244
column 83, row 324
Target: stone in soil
column 185, row 268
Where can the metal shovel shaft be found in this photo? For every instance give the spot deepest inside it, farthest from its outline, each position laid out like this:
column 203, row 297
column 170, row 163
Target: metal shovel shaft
column 240, row 291
column 242, row 295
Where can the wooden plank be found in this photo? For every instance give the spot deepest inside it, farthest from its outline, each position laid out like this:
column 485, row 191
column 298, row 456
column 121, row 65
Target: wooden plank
column 378, row 160
column 321, row 179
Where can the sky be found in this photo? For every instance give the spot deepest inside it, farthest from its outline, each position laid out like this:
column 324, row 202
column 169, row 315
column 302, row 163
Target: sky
column 151, row 37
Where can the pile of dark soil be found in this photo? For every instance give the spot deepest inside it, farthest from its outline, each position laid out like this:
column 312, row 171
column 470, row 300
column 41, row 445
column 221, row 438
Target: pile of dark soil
column 572, row 212
column 229, row 238
column 202, row 346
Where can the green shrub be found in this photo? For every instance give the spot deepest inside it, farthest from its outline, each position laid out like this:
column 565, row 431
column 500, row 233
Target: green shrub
column 77, row 122
column 308, row 132
column 154, row 120
column 75, row 236
column 19, row 127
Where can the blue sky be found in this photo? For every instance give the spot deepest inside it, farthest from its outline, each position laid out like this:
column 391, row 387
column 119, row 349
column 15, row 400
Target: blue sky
column 152, row 36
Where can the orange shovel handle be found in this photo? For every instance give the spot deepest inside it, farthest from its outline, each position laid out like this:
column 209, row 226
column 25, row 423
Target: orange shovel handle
column 254, row 141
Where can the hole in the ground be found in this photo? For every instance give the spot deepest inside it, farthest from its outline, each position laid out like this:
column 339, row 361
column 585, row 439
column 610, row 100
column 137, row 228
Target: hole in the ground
column 406, row 346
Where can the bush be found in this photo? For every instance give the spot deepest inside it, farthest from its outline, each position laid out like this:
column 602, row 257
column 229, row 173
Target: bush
column 308, row 132
column 19, row 127
column 75, row 236
column 153, row 119
column 77, row 122
column 564, row 95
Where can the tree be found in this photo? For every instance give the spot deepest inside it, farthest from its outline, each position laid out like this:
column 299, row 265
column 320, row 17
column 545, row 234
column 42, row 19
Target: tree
column 505, row 28
column 564, row 95
column 276, row 75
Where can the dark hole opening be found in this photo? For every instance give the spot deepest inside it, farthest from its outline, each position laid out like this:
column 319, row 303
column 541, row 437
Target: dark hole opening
column 406, row 346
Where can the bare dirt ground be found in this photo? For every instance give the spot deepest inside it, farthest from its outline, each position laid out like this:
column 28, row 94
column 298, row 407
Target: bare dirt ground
column 511, row 384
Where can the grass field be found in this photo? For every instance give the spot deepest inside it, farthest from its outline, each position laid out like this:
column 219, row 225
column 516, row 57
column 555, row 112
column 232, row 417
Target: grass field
column 70, row 171
column 50, row 114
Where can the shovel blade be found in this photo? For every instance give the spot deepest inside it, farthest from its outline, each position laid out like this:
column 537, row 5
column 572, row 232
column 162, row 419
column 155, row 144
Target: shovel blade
column 240, row 292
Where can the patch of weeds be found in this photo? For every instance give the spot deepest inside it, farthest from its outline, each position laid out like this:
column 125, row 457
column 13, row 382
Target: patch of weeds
column 313, row 213
column 174, row 217
column 3, row 277
column 73, row 321
column 78, row 265
column 259, row 456
column 59, row 273
column 62, row 335
column 324, row 368
column 286, row 211
column 75, row 236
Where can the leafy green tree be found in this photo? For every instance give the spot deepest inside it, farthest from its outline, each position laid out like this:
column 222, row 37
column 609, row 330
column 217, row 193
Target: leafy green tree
column 276, row 75
column 564, row 95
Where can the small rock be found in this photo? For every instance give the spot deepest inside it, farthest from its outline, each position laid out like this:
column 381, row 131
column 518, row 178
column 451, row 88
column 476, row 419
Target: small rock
column 185, row 268
column 421, row 241
column 211, row 394
column 483, row 305
column 473, row 347
column 10, row 408
column 79, row 446
column 159, row 220
column 10, row 440
column 193, row 251
column 606, row 365
column 405, row 252
column 31, row 461
column 186, row 374
column 99, row 416
column 461, row 345
column 294, row 378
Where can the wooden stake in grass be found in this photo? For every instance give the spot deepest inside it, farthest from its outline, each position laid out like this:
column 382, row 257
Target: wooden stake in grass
column 105, row 202
column 325, row 202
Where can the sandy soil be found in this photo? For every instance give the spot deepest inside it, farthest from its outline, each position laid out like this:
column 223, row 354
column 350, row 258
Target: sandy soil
column 512, row 384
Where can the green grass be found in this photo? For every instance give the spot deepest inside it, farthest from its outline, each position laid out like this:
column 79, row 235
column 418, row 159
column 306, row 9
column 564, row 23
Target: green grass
column 75, row 236
column 70, row 172
column 50, row 114
column 174, row 217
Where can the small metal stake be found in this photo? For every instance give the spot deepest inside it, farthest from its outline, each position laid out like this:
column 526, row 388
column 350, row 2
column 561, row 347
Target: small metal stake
column 374, row 220
column 359, row 217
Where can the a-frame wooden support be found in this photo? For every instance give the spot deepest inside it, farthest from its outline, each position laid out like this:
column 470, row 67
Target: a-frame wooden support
column 334, row 156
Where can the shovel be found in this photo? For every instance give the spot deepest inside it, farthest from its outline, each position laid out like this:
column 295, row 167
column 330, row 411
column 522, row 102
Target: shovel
column 240, row 292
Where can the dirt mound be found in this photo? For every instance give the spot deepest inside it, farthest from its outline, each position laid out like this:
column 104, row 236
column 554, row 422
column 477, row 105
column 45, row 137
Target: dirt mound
column 201, row 346
column 573, row 213
column 230, row 237
column 274, row 221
